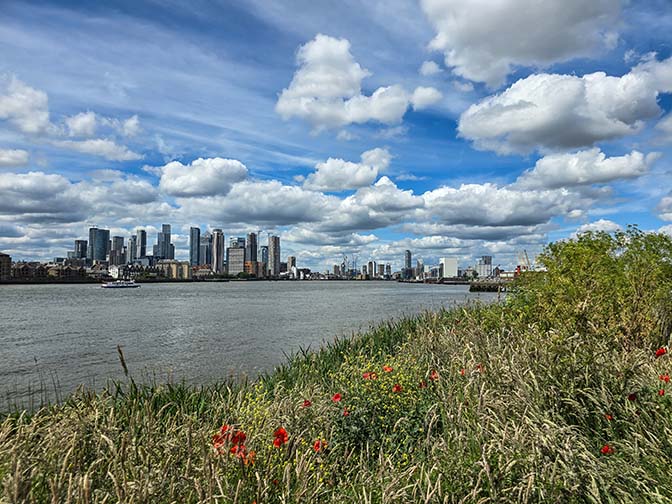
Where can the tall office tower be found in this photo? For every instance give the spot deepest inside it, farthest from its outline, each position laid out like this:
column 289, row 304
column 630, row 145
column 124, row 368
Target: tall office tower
column 274, row 256
column 291, row 262
column 371, row 268
column 142, row 244
column 419, row 267
column 194, row 246
column 484, row 267
column 117, row 255
column 251, row 247
column 98, row 244
column 80, row 249
column 218, row 251
column 388, row 270
column 264, row 254
column 407, row 259
column 448, row 267
column 381, row 271
column 132, row 251
column 235, row 242
column 163, row 247
column 235, row 260
column 205, row 254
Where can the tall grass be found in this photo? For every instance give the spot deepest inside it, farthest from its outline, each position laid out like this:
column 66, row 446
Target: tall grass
column 500, row 403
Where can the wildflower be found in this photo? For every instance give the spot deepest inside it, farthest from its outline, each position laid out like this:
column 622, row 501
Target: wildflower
column 608, row 417
column 366, row 376
column 224, row 428
column 374, row 375
column 434, row 375
column 632, row 397
column 423, row 384
column 249, row 459
column 276, row 482
column 479, row 368
column 462, row 371
column 238, row 438
column 280, row 437
column 661, row 351
column 661, row 392
column 218, row 441
column 387, row 369
column 307, row 404
column 319, row 445
column 607, row 450
column 345, row 412
column 336, row 397
column 664, row 377
column 396, row 388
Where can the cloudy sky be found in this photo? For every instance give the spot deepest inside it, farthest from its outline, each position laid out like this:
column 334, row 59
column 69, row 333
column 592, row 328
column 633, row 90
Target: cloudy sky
column 449, row 127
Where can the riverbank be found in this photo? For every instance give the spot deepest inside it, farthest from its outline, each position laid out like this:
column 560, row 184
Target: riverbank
column 553, row 396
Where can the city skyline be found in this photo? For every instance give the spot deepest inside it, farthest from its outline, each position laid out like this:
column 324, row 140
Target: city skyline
column 378, row 128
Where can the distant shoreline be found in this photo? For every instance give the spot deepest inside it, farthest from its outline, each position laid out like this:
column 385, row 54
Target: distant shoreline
column 224, row 280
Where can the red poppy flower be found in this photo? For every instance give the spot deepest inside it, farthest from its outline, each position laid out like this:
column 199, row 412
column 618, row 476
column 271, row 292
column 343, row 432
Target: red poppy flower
column 479, row 368
column 608, row 416
column 307, row 404
column 434, row 375
column 217, row 441
column 366, row 376
column 632, row 397
column 607, row 450
column 423, row 384
column 661, row 392
column 224, row 428
column 462, row 371
column 319, row 445
column 664, row 377
column 238, row 438
column 396, row 388
column 661, row 351
column 336, row 397
column 387, row 369
column 280, row 437
column 345, row 412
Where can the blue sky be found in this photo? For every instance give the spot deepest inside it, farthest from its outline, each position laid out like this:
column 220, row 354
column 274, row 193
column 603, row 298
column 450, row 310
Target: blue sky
column 452, row 128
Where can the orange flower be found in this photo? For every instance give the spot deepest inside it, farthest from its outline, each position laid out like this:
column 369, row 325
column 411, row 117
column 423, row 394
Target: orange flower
column 387, row 369
column 661, row 351
column 396, row 388
column 608, row 416
column 607, row 450
column 319, row 445
column 280, row 437
column 336, row 397
column 664, row 377
column 434, row 375
column 307, row 404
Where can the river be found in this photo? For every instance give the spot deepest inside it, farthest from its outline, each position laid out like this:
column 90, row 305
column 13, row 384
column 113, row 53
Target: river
column 54, row 338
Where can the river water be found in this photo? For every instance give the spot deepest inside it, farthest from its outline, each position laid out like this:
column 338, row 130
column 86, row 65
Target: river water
column 54, row 338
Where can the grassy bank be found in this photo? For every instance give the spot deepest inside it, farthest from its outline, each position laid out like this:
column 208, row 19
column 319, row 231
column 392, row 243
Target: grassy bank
column 558, row 395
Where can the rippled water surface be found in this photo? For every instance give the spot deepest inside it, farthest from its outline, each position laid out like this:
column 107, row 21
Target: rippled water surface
column 60, row 336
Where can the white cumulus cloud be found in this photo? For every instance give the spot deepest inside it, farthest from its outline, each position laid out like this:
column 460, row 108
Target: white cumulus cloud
column 552, row 111
column 13, row 157
column 599, row 225
column 82, row 124
column 100, row 147
column 336, row 174
column 484, row 40
column 202, row 177
column 429, row 68
column 24, row 107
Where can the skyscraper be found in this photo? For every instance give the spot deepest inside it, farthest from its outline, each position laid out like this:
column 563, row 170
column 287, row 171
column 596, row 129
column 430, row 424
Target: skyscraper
column 407, row 259
column 264, row 254
column 142, row 244
column 80, row 249
column 251, row 247
column 132, row 250
column 117, row 255
column 205, row 254
column 218, row 251
column 163, row 248
column 236, row 242
column 274, row 256
column 194, row 246
column 291, row 262
column 235, row 260
column 98, row 244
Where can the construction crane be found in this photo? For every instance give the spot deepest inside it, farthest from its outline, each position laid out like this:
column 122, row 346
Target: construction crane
column 524, row 261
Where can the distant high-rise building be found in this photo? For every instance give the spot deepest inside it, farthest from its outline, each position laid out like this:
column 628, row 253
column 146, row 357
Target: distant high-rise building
column 274, row 256
column 80, row 249
column 117, row 253
column 337, row 270
column 98, row 244
column 251, row 247
column 218, row 251
column 235, row 260
column 132, row 249
column 381, row 271
column 5, row 267
column 163, row 249
column 142, row 244
column 371, row 269
column 448, row 267
column 264, row 254
column 388, row 270
column 419, row 267
column 291, row 263
column 205, row 253
column 194, row 246
column 364, row 270
column 236, row 242
column 407, row 259
column 484, row 267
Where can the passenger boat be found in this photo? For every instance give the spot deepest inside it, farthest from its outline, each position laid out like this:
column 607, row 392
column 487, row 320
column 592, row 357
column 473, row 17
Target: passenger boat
column 120, row 284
